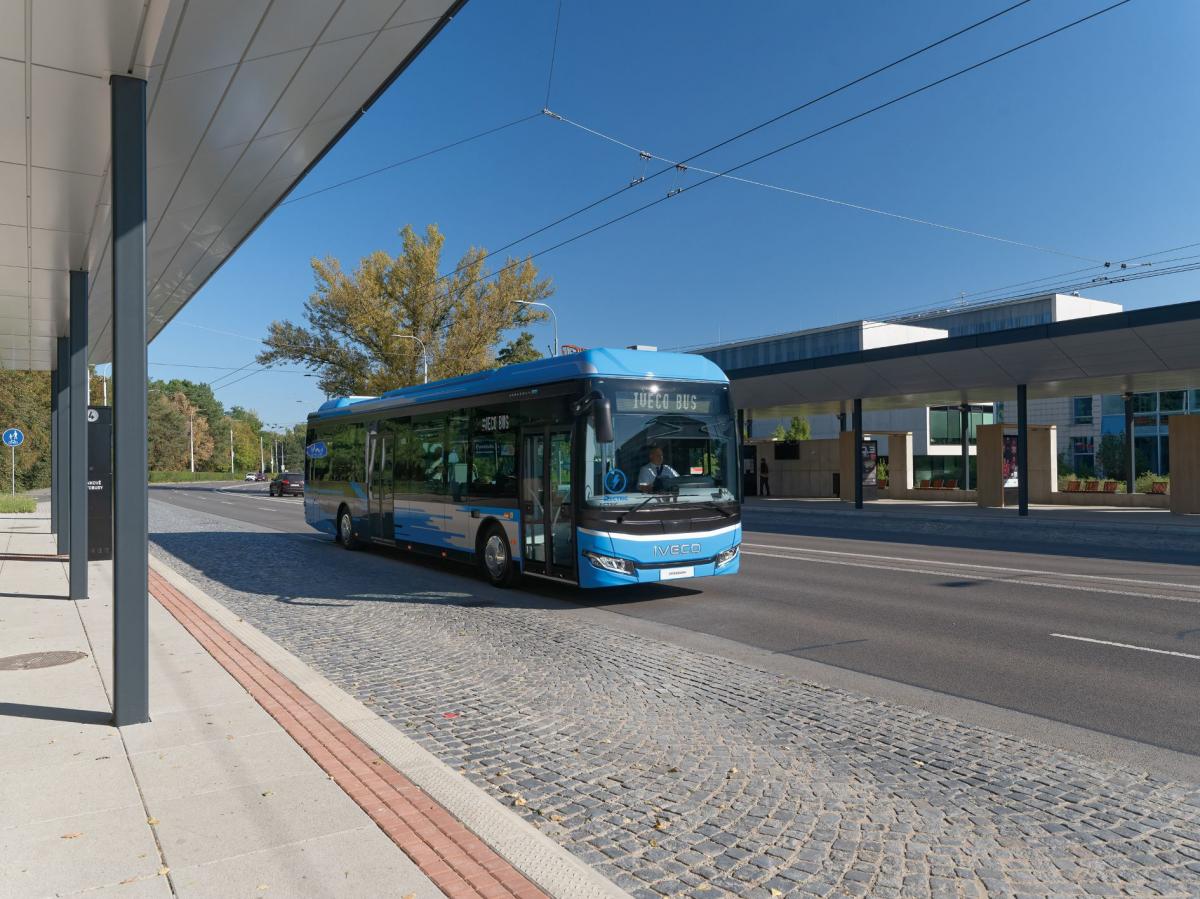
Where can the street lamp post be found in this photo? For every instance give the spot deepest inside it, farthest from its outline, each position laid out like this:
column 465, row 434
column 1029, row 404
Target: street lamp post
column 262, row 460
column 231, row 471
column 192, row 441
column 553, row 318
column 424, row 353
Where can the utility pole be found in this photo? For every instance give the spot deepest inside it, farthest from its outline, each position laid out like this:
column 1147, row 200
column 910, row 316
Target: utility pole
column 231, row 471
column 262, row 460
column 192, row 441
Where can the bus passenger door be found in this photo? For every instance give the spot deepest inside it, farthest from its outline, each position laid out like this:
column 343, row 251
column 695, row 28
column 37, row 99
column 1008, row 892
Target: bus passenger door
column 559, row 509
column 547, row 515
column 382, row 497
column 533, row 502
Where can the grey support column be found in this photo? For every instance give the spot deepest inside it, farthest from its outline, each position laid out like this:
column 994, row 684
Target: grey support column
column 76, row 429
column 964, row 417
column 1022, row 451
column 131, row 621
column 63, row 388
column 54, row 448
column 858, row 459
column 1130, row 447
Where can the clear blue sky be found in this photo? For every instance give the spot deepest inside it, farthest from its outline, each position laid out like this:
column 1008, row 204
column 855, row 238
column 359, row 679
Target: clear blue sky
column 1085, row 143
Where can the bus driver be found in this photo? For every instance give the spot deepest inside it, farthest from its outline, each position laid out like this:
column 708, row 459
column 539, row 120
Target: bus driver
column 653, row 470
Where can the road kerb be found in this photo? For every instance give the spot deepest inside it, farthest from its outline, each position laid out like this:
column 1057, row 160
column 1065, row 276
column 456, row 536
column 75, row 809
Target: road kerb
column 530, row 852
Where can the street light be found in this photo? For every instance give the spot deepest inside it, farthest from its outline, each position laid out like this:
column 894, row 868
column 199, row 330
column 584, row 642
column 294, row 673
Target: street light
column 553, row 318
column 424, row 353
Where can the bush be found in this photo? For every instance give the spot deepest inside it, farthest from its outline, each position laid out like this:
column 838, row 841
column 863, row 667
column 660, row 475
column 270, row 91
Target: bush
column 173, row 477
column 1147, row 479
column 24, row 504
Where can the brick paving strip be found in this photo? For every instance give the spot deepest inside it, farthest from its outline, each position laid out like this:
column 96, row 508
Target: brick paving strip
column 456, row 860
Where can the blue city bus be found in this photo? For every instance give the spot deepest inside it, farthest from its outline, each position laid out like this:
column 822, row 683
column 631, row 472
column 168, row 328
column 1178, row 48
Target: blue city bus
column 600, row 468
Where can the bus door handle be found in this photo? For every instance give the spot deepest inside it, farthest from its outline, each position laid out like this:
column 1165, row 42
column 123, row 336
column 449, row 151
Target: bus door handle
column 474, row 513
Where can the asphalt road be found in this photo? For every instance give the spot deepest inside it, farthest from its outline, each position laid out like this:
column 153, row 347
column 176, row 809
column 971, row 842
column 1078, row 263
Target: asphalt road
column 1107, row 644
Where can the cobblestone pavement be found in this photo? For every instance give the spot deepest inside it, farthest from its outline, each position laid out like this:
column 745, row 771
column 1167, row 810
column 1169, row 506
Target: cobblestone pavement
column 681, row 773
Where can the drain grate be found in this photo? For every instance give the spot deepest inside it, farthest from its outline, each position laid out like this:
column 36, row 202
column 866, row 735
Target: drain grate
column 29, row 660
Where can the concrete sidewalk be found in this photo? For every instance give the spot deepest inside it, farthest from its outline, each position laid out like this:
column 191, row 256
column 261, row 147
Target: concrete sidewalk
column 213, row 798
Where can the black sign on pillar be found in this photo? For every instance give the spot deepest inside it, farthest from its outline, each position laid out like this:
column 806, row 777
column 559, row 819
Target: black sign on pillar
column 100, row 483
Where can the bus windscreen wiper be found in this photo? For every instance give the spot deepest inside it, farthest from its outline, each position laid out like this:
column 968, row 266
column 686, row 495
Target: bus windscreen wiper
column 710, row 504
column 621, row 517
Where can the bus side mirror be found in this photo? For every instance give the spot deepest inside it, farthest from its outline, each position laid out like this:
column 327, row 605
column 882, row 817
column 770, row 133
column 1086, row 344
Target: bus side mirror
column 602, row 420
column 601, row 411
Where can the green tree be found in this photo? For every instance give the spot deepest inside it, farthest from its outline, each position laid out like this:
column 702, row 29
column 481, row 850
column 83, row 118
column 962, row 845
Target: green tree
column 166, row 433
column 519, row 350
column 1112, row 457
column 352, row 319
column 199, row 395
column 799, row 429
column 25, row 404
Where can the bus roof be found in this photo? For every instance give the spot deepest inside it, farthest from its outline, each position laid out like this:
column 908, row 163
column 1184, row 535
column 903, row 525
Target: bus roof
column 604, row 363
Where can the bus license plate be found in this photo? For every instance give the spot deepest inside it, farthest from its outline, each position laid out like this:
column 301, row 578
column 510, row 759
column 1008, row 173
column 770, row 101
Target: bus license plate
column 671, row 574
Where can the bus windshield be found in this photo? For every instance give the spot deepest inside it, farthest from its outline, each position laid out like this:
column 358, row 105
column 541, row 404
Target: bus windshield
column 674, row 442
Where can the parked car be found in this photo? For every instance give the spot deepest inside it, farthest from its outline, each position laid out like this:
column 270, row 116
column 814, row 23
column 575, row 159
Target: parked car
column 255, row 476
column 287, row 483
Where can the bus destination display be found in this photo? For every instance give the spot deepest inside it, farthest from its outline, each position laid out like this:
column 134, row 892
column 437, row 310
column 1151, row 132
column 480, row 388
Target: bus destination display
column 680, row 401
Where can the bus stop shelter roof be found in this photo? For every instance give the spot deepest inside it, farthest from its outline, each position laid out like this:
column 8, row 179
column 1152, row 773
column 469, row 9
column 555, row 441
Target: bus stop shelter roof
column 1157, row 348
column 243, row 98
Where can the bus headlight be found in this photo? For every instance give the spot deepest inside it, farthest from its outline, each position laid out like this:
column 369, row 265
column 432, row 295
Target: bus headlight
column 724, row 558
column 610, row 563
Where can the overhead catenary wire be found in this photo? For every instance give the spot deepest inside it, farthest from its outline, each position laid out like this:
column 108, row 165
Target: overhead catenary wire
column 394, row 165
column 680, row 165
column 810, row 136
column 553, row 50
column 751, row 130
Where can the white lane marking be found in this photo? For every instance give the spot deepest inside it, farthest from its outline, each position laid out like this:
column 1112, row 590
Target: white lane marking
column 1090, row 577
column 1081, row 588
column 1163, row 652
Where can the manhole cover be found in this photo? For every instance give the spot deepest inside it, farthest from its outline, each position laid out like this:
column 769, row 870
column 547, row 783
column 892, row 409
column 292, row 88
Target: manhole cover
column 39, row 660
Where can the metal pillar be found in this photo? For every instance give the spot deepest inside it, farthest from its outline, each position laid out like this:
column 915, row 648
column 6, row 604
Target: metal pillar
column 1022, row 451
column 54, row 448
column 1130, row 447
column 964, row 417
column 131, row 612
column 77, row 430
column 858, row 459
column 63, row 388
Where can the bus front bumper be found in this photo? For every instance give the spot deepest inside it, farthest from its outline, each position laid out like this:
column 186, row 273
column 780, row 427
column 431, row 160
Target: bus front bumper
column 612, row 560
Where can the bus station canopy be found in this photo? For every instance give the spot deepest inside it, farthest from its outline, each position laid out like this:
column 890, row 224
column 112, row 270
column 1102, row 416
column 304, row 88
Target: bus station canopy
column 243, row 97
column 1156, row 348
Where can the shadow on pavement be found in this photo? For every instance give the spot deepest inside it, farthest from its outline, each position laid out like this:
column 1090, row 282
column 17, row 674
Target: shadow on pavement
column 53, row 713
column 298, row 570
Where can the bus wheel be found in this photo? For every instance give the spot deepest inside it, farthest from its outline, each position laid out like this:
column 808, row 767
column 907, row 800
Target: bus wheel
column 345, row 533
column 495, row 557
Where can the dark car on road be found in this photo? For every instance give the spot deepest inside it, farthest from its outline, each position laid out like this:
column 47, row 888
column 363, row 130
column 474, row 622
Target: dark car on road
column 287, row 483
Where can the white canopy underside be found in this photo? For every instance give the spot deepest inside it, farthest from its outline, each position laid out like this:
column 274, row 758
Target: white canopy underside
column 243, row 97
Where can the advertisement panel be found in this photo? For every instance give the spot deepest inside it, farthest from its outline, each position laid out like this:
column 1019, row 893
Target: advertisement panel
column 870, row 457
column 1012, row 477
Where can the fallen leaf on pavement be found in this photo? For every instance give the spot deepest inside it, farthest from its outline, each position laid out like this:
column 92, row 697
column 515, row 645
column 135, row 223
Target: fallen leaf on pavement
column 775, row 892
column 152, row 820
column 164, row 871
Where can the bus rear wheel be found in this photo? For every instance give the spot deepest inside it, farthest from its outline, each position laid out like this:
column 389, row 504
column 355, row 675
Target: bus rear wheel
column 495, row 557
column 345, row 529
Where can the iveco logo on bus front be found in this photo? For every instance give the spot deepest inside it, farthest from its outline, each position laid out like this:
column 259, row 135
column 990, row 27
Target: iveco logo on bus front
column 677, row 549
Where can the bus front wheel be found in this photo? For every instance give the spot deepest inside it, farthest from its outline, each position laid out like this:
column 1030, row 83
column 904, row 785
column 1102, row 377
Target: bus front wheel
column 495, row 557
column 345, row 529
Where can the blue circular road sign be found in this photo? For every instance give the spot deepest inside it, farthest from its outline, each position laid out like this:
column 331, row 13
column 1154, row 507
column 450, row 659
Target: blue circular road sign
column 14, row 437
